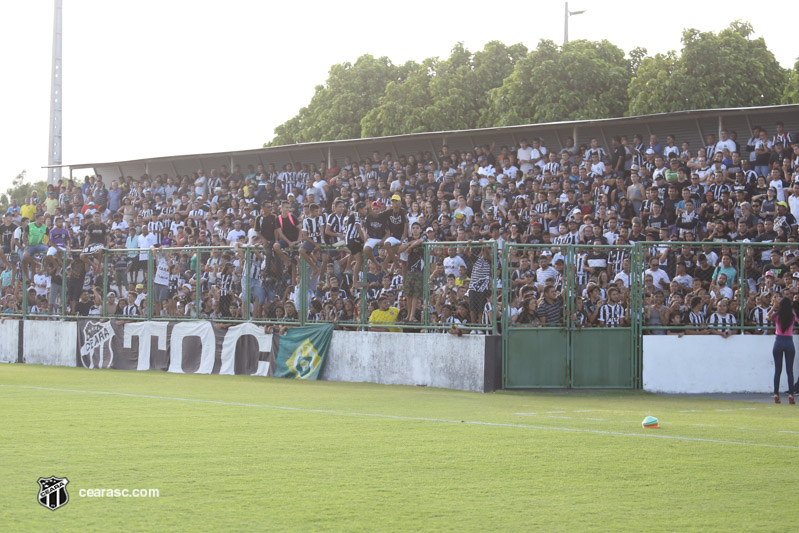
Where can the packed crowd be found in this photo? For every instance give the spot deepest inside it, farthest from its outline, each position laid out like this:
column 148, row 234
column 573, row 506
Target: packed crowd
column 361, row 232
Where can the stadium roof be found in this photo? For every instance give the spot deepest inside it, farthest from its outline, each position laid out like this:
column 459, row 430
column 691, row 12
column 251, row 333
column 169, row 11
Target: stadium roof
column 691, row 126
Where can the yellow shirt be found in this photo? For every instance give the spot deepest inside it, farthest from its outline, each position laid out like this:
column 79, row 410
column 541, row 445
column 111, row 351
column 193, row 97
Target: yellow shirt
column 28, row 211
column 50, row 205
column 385, row 317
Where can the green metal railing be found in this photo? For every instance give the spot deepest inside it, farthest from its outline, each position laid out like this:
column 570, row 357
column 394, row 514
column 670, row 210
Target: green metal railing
column 196, row 259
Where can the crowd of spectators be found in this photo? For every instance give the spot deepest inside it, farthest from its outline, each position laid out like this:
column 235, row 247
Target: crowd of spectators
column 358, row 228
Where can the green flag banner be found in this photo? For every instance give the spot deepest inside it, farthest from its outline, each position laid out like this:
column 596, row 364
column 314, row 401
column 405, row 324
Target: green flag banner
column 301, row 352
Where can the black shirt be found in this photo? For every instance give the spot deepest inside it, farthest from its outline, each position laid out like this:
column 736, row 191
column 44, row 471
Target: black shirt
column 396, row 222
column 265, row 226
column 7, row 234
column 97, row 233
column 375, row 226
column 289, row 226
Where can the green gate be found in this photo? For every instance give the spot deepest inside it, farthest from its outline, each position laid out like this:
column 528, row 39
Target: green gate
column 568, row 355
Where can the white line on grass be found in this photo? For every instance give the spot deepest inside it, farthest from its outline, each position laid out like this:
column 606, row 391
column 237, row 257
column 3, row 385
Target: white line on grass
column 412, row 418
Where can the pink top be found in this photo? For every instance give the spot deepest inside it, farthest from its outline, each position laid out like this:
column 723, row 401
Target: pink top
column 788, row 333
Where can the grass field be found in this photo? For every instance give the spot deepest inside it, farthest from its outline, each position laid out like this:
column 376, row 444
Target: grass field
column 255, row 454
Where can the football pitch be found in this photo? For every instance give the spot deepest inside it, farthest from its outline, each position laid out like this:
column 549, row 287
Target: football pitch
column 255, row 454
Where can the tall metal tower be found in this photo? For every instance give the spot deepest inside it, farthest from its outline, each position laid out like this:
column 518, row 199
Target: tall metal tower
column 56, row 98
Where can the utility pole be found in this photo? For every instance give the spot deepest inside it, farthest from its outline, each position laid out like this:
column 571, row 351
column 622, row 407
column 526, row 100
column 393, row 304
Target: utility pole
column 566, row 15
column 56, row 98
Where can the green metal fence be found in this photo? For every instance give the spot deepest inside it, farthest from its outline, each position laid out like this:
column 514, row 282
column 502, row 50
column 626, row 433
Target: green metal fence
column 433, row 296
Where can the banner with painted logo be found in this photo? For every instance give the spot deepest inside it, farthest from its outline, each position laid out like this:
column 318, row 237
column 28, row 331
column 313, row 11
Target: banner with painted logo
column 182, row 347
column 301, row 352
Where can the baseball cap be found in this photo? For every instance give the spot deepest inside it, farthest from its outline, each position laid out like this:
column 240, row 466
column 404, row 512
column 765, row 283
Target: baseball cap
column 397, row 197
column 796, row 275
column 139, row 287
column 649, row 151
column 375, row 204
column 783, row 204
column 459, row 215
column 429, row 229
column 635, row 167
column 111, row 294
column 769, row 273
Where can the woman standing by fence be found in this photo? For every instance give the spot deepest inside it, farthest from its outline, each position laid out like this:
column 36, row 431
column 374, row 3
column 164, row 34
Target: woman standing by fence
column 782, row 314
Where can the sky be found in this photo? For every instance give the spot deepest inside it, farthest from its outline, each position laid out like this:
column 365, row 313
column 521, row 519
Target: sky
column 164, row 77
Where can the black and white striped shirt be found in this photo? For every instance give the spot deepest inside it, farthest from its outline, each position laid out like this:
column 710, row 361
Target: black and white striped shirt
column 758, row 316
column 722, row 323
column 615, row 258
column 696, row 319
column 336, row 223
column 553, row 167
column 638, row 159
column 611, row 315
column 130, row 310
column 481, row 275
column 155, row 226
column 354, row 228
column 225, row 282
column 315, row 228
column 287, row 181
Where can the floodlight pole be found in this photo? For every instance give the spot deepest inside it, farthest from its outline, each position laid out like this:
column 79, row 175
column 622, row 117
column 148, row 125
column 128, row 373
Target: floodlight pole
column 566, row 15
column 56, row 97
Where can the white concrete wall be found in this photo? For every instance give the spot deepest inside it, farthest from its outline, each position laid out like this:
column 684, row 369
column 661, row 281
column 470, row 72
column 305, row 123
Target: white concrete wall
column 431, row 359
column 701, row 364
column 9, row 341
column 49, row 342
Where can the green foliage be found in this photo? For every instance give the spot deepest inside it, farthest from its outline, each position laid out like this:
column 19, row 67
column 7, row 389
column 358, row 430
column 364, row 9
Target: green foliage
column 503, row 85
column 581, row 80
column 443, row 94
column 727, row 69
column 336, row 109
column 791, row 95
column 20, row 190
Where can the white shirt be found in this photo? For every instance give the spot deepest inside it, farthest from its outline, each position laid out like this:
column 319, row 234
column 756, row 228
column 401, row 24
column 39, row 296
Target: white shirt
column 624, row 277
column 452, row 264
column 793, row 205
column 728, row 144
column 161, row 276
column 487, row 170
column 525, row 154
column 200, row 185
column 541, row 152
column 780, row 189
column 657, row 276
column 120, row 225
column 234, row 235
column 145, row 241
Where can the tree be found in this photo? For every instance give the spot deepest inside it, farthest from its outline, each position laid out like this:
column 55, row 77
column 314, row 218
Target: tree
column 724, row 70
column 443, row 94
column 791, row 95
column 581, row 80
column 336, row 108
column 20, row 190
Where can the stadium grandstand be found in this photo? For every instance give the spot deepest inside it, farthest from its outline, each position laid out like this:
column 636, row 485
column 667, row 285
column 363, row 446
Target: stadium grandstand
column 460, row 231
